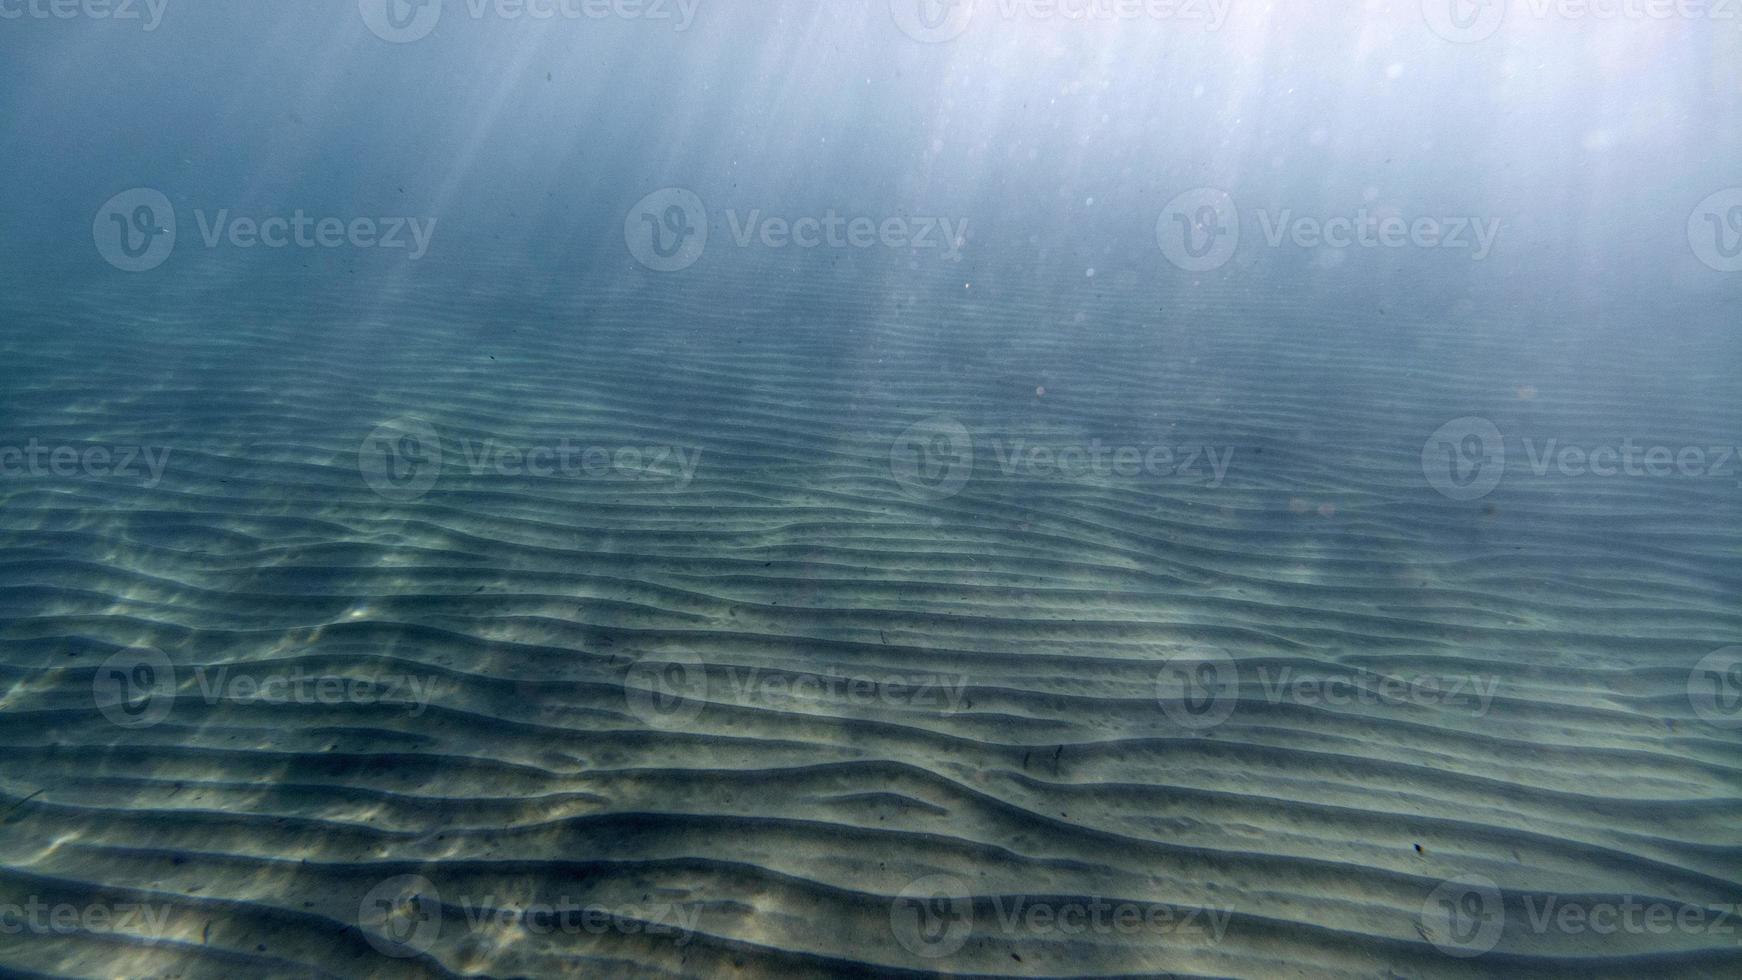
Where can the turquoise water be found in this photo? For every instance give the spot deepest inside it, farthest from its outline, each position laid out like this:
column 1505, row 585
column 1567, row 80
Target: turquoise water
column 868, row 489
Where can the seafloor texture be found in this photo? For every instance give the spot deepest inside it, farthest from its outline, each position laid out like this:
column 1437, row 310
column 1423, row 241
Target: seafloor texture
column 925, row 728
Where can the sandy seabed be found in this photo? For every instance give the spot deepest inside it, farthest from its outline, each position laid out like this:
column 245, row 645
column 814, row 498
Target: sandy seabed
column 803, row 622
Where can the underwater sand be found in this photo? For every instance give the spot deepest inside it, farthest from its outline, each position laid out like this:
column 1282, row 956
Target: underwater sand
column 783, row 830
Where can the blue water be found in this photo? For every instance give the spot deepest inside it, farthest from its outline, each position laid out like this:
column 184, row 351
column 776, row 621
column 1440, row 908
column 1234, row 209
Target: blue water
column 675, row 487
